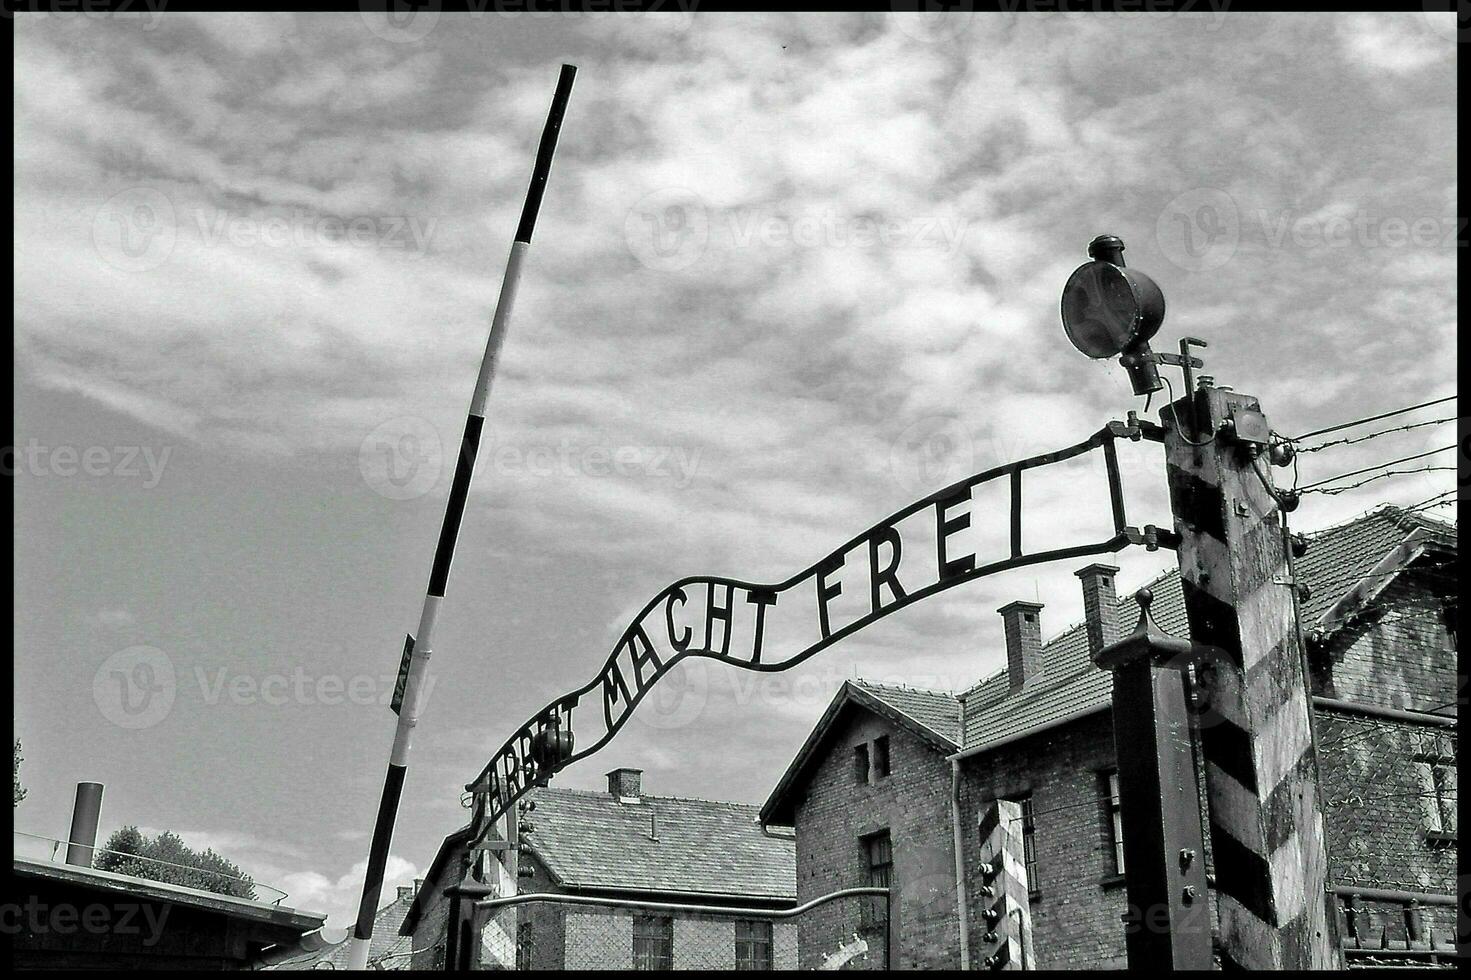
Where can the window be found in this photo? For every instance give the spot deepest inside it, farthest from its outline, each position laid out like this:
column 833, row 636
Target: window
column 1438, row 794
column 880, row 854
column 752, row 945
column 1029, row 844
column 1115, row 819
column 525, row 943
column 881, row 756
column 860, row 764
column 653, row 942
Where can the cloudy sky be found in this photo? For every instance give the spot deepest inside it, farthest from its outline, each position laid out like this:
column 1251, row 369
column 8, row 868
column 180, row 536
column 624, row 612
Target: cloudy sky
column 791, row 274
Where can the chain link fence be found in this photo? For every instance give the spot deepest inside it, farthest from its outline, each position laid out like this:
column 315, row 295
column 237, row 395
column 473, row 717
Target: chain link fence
column 1389, row 794
column 845, row 930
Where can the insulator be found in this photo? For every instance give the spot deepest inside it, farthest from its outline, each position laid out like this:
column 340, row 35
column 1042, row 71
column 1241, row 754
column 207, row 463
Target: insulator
column 990, row 937
column 993, row 916
column 992, row 962
column 990, row 869
column 1299, row 545
column 526, row 827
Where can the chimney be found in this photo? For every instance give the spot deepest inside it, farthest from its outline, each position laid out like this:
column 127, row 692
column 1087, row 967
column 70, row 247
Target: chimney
column 1023, row 642
column 623, row 784
column 86, row 811
column 1100, row 605
column 405, row 893
column 418, row 886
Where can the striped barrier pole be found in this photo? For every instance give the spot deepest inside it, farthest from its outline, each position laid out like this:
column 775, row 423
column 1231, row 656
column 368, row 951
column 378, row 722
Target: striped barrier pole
column 419, row 648
column 1007, row 942
column 1266, row 816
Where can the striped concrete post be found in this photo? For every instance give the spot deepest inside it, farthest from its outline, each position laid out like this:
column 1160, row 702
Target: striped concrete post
column 1007, row 916
column 419, row 648
column 1266, row 817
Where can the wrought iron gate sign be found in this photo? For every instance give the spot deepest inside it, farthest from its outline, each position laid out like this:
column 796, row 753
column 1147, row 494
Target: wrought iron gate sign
column 696, row 617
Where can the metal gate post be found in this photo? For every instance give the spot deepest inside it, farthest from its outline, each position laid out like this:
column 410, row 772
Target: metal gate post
column 462, row 935
column 1164, row 858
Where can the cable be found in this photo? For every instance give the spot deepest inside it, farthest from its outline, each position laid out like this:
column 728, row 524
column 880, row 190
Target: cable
column 1179, row 428
column 1371, row 418
column 1350, row 440
column 1376, row 466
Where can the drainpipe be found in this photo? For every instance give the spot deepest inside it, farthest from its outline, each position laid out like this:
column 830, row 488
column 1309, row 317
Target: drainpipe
column 960, row 907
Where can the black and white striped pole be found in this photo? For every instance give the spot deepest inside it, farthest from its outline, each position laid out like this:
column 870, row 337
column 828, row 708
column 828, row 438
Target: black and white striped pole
column 417, row 651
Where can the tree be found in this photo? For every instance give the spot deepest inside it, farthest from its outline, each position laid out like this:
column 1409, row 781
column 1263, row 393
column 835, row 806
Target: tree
column 20, row 791
column 167, row 858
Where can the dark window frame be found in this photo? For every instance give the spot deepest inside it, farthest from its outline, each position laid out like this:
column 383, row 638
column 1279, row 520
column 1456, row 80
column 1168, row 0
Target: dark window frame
column 753, row 951
column 1114, row 819
column 861, row 764
column 1029, row 844
column 653, row 942
column 878, row 873
column 882, row 761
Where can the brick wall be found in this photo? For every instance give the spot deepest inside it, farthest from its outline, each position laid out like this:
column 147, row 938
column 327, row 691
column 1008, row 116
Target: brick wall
column 913, row 804
column 1078, row 899
column 1399, row 655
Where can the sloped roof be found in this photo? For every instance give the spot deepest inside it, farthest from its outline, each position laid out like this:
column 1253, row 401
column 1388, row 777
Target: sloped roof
column 1070, row 686
column 589, row 840
column 934, row 716
column 937, row 711
column 1337, row 557
column 387, row 950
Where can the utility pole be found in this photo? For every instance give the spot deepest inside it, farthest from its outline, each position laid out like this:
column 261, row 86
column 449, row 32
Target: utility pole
column 1266, row 818
column 417, row 651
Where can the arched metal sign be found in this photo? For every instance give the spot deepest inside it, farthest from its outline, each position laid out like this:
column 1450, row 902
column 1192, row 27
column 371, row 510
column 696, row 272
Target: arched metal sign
column 697, row 616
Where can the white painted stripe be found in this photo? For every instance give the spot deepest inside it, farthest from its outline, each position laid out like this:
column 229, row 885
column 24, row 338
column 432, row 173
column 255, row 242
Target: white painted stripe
column 498, row 326
column 1280, row 741
column 408, row 715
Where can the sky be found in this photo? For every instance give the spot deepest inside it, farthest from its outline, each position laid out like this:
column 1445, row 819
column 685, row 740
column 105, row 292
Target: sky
column 791, row 274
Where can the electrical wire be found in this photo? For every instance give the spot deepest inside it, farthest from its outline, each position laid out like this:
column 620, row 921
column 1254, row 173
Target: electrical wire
column 1371, row 418
column 1180, row 429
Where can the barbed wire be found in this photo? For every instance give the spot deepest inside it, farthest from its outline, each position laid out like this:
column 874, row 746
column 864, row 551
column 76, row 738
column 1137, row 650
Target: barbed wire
column 1311, row 487
column 1351, row 440
column 1372, row 418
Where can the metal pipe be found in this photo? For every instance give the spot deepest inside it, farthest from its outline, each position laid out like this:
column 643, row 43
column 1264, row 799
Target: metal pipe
column 1393, row 895
column 1395, row 714
column 86, row 812
column 421, row 646
column 630, row 903
column 961, row 911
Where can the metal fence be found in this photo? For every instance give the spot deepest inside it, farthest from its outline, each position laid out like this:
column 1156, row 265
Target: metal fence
column 847, row 930
column 1389, row 794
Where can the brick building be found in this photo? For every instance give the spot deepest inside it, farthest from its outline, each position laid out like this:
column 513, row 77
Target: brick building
column 622, row 845
column 891, row 779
